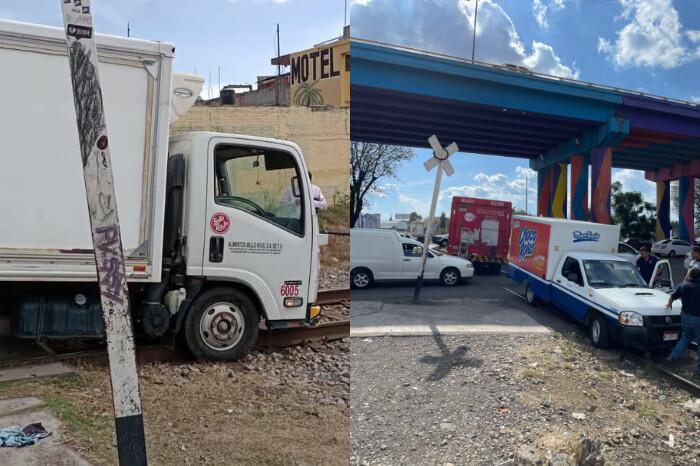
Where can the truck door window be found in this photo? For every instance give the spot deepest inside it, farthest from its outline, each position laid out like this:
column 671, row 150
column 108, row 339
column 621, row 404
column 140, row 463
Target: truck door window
column 571, row 267
column 411, row 250
column 259, row 182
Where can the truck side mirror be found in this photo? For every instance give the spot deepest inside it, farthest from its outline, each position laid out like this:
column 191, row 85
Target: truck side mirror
column 295, row 186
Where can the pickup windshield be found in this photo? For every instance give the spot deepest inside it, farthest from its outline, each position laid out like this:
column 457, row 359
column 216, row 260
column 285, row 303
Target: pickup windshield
column 612, row 274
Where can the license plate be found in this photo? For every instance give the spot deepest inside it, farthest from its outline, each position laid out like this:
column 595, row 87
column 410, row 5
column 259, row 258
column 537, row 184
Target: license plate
column 670, row 336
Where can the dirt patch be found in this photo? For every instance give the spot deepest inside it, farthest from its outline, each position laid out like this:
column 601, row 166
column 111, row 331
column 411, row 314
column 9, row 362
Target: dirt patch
column 480, row 399
column 274, row 408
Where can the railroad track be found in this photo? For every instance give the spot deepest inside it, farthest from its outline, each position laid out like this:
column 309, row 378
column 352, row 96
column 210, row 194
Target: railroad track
column 145, row 354
column 335, row 296
column 690, row 386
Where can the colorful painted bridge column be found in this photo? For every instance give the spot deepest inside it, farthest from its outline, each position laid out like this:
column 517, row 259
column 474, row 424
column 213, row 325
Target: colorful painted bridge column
column 559, row 182
column 601, row 168
column 686, row 202
column 663, row 210
column 544, row 192
column 579, row 188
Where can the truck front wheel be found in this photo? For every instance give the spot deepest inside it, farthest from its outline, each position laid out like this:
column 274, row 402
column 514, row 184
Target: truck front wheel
column 222, row 324
column 600, row 332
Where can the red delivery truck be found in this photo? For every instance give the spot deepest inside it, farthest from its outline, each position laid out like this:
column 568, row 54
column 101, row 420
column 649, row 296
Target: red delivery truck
column 480, row 231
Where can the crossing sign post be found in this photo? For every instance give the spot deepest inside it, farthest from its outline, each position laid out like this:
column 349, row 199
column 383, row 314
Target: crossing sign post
column 439, row 160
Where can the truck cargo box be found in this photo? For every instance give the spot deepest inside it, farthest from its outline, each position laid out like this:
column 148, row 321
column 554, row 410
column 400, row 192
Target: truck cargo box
column 537, row 243
column 45, row 231
column 479, row 229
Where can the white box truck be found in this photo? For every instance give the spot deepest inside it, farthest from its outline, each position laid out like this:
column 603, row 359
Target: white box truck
column 573, row 265
column 218, row 230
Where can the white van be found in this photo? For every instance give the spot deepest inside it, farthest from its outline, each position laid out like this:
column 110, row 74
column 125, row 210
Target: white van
column 383, row 255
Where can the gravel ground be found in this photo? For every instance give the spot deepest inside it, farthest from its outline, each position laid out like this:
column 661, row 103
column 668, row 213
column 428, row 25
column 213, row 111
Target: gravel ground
column 488, row 399
column 333, row 279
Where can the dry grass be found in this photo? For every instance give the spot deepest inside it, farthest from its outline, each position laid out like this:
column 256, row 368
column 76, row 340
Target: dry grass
column 221, row 415
column 336, row 256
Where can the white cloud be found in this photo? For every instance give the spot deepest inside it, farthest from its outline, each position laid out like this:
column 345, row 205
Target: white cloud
column 695, row 98
column 652, row 37
column 542, row 8
column 447, row 27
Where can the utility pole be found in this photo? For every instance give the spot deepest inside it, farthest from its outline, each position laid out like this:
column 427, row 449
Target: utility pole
column 439, row 160
column 279, row 67
column 476, row 9
column 106, row 234
column 128, row 30
column 526, row 195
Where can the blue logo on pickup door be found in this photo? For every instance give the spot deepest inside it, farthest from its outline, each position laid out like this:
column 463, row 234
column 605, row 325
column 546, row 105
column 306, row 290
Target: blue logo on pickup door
column 587, row 236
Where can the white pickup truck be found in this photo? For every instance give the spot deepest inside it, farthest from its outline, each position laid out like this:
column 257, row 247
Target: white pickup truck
column 573, row 265
column 218, row 230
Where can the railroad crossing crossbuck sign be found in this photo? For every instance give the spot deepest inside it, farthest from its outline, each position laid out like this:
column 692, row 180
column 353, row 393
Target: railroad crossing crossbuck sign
column 439, row 160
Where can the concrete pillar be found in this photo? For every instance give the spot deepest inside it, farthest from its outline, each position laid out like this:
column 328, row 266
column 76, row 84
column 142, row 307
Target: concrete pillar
column 686, row 203
column 663, row 210
column 559, row 175
column 544, row 192
column 601, row 168
column 579, row 188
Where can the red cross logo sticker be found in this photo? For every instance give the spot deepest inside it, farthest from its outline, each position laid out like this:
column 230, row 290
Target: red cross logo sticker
column 219, row 223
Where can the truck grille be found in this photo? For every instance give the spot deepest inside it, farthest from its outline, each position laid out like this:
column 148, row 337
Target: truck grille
column 661, row 320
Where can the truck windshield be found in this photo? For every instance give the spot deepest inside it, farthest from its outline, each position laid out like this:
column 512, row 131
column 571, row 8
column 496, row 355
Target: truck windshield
column 611, row 273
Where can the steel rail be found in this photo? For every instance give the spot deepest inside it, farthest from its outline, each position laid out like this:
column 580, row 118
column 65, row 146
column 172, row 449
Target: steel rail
column 675, row 379
column 334, row 296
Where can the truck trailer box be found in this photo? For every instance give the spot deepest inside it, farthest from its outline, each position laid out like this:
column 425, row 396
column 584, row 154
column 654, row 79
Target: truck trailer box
column 537, row 243
column 480, row 230
column 45, row 230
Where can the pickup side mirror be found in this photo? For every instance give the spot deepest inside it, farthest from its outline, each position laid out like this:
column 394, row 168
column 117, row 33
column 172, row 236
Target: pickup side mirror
column 572, row 277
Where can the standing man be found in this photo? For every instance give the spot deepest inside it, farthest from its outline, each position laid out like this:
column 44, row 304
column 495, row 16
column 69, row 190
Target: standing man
column 319, row 199
column 646, row 263
column 689, row 293
column 694, row 260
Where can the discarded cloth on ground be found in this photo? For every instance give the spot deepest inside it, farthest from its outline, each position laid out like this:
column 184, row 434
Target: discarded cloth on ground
column 16, row 437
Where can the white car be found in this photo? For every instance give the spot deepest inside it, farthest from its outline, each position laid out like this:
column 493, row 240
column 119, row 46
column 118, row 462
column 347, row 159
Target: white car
column 383, row 255
column 670, row 248
column 441, row 240
column 628, row 253
column 686, row 260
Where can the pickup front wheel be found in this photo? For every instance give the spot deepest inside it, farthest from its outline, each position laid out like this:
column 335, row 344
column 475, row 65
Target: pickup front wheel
column 600, row 332
column 222, row 324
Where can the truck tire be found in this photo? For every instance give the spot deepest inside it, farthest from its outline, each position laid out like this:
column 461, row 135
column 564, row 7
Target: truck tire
column 531, row 297
column 361, row 278
column 600, row 332
column 450, row 277
column 221, row 325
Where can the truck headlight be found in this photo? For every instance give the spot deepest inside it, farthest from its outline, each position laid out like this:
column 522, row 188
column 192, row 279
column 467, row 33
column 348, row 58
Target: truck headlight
column 630, row 318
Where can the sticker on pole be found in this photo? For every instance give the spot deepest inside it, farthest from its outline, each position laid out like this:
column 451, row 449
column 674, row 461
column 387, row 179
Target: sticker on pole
column 220, row 223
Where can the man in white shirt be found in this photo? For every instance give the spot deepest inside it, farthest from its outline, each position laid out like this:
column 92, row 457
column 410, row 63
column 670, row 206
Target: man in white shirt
column 319, row 199
column 694, row 260
column 320, row 202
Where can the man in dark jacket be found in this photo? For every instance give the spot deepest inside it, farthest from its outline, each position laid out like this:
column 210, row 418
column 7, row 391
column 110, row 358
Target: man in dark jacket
column 646, row 263
column 689, row 293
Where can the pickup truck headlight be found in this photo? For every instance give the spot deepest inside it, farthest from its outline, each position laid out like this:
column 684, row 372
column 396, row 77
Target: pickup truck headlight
column 631, row 318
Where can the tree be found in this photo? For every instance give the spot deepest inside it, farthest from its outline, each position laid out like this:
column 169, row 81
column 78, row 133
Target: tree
column 635, row 216
column 370, row 162
column 308, row 95
column 443, row 222
column 517, row 211
column 413, row 216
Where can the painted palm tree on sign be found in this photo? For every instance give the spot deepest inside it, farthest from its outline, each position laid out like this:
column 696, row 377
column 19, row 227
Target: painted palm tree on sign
column 308, row 95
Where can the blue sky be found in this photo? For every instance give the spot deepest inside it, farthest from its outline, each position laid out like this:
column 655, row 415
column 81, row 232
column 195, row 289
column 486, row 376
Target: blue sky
column 651, row 46
column 238, row 35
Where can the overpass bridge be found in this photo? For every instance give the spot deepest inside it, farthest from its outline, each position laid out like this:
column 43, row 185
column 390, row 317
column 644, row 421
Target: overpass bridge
column 402, row 96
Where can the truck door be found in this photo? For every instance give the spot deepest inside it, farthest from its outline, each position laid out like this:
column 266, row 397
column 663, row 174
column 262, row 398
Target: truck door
column 259, row 227
column 662, row 277
column 569, row 288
